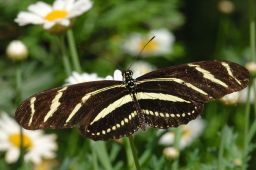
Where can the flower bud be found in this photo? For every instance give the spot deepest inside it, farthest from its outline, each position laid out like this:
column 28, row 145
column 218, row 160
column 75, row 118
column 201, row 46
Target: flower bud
column 16, row 50
column 251, row 67
column 226, row 6
column 171, row 153
column 238, row 162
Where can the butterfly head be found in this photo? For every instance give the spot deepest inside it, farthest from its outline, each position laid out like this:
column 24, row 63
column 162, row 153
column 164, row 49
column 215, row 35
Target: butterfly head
column 128, row 80
column 127, row 74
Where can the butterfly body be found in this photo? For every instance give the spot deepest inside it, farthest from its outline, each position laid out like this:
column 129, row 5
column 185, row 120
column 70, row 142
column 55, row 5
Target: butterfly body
column 107, row 109
column 131, row 85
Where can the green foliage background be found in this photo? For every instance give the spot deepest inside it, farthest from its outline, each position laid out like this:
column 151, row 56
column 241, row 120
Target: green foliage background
column 201, row 31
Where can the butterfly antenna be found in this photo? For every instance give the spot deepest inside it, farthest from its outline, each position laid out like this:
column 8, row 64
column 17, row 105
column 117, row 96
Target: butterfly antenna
column 139, row 54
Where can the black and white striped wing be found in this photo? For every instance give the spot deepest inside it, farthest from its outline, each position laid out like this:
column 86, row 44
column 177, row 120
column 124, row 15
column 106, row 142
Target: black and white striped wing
column 175, row 95
column 162, row 110
column 65, row 107
column 201, row 80
column 108, row 110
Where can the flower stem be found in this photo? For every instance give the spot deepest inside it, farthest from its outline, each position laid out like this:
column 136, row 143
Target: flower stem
column 249, row 131
column 175, row 164
column 246, row 130
column 73, row 51
column 65, row 60
column 94, row 156
column 18, row 85
column 18, row 81
column 221, row 149
column 252, row 18
column 135, row 157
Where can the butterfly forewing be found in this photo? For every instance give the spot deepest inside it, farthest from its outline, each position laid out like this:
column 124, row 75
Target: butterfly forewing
column 63, row 107
column 212, row 79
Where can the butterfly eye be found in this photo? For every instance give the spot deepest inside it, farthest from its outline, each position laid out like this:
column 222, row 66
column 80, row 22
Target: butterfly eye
column 127, row 73
column 130, row 72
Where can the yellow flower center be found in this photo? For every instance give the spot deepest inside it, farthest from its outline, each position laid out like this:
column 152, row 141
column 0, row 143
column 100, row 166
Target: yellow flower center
column 15, row 139
column 56, row 14
column 150, row 46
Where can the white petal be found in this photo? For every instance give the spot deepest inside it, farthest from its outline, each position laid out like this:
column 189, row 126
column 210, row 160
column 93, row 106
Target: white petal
column 80, row 7
column 118, row 75
column 69, row 4
column 65, row 22
column 49, row 25
column 59, row 4
column 132, row 44
column 6, row 122
column 140, row 67
column 49, row 154
column 244, row 94
column 164, row 40
column 167, row 138
column 40, row 8
column 3, row 135
column 184, row 142
column 25, row 18
column 35, row 158
column 4, row 146
column 12, row 155
column 109, row 78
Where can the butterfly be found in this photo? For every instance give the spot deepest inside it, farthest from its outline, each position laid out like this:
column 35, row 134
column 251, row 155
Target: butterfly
column 109, row 109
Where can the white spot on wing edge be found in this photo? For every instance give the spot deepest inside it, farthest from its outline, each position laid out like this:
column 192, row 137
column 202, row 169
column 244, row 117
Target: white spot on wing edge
column 32, row 107
column 208, row 75
column 227, row 67
column 55, row 103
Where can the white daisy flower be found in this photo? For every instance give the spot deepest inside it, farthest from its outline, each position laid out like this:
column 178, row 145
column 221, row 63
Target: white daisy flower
column 189, row 133
column 17, row 50
column 60, row 13
column 231, row 98
column 76, row 78
column 160, row 45
column 38, row 145
column 140, row 67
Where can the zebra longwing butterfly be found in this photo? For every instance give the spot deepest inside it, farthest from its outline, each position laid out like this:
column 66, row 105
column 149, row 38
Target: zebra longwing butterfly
column 108, row 109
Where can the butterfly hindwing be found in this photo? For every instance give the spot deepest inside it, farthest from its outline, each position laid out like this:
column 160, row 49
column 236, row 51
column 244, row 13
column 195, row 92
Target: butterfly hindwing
column 115, row 118
column 163, row 108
